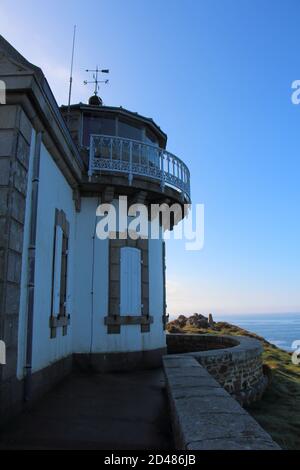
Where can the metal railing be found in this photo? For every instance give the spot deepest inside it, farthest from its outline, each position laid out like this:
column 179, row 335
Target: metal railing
column 134, row 158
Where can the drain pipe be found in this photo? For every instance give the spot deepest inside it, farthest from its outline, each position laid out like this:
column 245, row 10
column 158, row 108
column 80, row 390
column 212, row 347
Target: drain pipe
column 31, row 264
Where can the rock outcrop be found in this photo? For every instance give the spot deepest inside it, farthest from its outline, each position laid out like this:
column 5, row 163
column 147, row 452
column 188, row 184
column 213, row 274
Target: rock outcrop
column 197, row 320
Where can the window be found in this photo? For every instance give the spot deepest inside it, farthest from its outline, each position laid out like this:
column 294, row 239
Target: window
column 2, row 353
column 58, row 242
column 150, row 138
column 129, row 130
column 59, row 315
column 97, row 125
column 130, row 302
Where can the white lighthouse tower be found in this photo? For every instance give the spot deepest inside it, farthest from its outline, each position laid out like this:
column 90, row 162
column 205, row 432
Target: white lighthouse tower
column 120, row 301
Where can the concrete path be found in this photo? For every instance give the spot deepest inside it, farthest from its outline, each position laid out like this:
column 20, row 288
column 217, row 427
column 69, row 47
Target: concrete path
column 110, row 411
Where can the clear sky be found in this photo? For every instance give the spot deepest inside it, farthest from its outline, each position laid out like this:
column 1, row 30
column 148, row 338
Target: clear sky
column 216, row 76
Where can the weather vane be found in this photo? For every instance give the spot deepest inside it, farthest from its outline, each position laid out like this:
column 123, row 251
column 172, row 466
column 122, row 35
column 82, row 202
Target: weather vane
column 95, row 80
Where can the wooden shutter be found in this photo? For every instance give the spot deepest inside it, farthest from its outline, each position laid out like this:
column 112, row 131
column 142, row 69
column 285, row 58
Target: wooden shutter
column 130, row 302
column 57, row 270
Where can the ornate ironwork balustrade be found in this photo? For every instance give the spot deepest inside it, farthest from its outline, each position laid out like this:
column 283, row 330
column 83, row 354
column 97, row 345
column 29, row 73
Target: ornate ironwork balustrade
column 138, row 159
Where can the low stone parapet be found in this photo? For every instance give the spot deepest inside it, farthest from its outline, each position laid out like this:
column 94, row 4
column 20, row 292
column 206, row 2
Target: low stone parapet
column 234, row 361
column 204, row 416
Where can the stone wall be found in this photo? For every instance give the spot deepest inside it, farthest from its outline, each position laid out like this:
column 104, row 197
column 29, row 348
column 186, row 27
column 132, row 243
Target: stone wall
column 204, row 416
column 15, row 136
column 235, row 362
column 182, row 343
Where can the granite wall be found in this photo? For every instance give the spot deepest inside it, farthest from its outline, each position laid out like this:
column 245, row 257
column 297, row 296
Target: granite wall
column 15, row 137
column 204, row 416
column 235, row 362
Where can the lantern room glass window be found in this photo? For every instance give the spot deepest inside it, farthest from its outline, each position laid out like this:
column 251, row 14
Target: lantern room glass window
column 150, row 138
column 130, row 130
column 116, row 126
column 97, row 125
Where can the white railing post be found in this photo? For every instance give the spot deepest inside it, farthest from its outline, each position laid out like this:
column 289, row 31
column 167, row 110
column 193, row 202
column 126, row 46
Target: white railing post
column 168, row 163
column 130, row 163
column 121, row 150
column 140, row 154
column 91, row 156
column 162, row 176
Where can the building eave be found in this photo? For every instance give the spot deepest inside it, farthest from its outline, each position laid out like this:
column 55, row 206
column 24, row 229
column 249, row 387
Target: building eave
column 28, row 87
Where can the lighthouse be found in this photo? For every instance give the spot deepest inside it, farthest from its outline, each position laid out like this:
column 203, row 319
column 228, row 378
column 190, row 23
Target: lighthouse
column 120, row 294
column 70, row 296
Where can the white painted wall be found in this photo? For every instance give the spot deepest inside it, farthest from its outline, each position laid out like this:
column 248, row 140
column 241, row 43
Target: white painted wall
column 54, row 192
column 91, row 293
column 156, row 294
column 87, row 280
column 91, row 282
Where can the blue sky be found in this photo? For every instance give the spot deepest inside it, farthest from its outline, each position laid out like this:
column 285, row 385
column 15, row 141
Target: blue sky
column 216, row 76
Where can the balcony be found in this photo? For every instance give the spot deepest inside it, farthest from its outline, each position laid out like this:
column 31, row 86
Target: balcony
column 138, row 159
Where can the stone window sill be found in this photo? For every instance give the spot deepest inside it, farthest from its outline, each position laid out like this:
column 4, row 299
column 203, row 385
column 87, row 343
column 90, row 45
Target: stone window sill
column 59, row 322
column 128, row 320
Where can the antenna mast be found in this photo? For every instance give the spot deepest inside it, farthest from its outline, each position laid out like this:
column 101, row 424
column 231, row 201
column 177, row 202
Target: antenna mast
column 71, row 72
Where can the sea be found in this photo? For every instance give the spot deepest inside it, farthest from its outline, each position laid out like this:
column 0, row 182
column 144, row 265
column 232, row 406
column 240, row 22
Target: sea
column 280, row 329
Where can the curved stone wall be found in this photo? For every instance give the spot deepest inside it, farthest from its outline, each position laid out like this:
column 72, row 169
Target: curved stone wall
column 204, row 416
column 234, row 361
